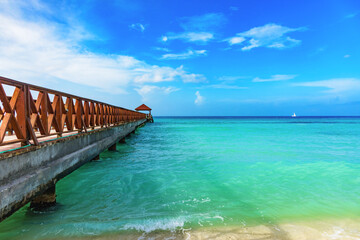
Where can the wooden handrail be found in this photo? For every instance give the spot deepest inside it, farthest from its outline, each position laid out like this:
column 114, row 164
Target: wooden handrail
column 31, row 118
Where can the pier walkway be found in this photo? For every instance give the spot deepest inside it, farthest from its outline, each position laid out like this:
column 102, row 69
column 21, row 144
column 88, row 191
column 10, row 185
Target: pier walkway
column 47, row 134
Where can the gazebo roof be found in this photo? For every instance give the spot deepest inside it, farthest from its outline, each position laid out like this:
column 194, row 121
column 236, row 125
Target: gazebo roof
column 143, row 107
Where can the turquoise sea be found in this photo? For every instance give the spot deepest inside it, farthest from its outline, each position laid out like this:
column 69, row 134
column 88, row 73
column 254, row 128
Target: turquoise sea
column 184, row 175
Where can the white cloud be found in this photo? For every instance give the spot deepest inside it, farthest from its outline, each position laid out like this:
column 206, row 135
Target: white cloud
column 336, row 85
column 230, row 78
column 162, row 49
column 205, row 22
column 14, row 7
column 236, row 40
column 347, row 56
column 193, row 78
column 137, row 26
column 168, row 90
column 40, row 51
column 270, row 35
column 197, row 29
column 275, row 78
column 201, row 37
column 226, row 82
column 351, row 15
column 148, row 91
column 223, row 86
column 156, row 74
column 189, row 54
column 199, row 99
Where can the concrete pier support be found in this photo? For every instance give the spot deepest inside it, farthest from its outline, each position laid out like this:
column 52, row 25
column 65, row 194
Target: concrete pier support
column 46, row 199
column 112, row 147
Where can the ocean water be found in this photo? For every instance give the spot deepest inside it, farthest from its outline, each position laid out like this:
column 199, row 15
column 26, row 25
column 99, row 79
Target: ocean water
column 179, row 175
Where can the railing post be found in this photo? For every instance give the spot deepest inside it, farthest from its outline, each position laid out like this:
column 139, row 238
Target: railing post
column 100, row 109
column 59, row 114
column 78, row 113
column 30, row 129
column 86, row 114
column 44, row 110
column 69, row 114
column 92, row 116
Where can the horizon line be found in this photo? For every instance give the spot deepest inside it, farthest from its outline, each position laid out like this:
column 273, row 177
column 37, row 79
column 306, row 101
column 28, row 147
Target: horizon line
column 262, row 116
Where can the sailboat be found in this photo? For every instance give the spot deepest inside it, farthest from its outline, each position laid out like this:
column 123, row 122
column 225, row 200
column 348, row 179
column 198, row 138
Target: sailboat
column 294, row 115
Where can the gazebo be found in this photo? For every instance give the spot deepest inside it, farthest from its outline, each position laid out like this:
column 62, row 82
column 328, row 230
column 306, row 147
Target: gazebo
column 143, row 107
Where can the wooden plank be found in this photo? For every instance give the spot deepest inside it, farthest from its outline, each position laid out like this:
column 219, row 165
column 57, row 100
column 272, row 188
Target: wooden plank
column 4, row 100
column 92, row 114
column 78, row 114
column 3, row 126
column 69, row 113
column 38, row 101
column 56, row 105
column 86, row 114
column 21, row 111
column 43, row 112
column 32, row 132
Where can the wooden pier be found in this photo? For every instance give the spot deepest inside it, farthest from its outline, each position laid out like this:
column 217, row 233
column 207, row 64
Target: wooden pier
column 46, row 134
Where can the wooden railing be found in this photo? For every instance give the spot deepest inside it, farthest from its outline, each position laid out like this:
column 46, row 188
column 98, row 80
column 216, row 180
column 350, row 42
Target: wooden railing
column 52, row 113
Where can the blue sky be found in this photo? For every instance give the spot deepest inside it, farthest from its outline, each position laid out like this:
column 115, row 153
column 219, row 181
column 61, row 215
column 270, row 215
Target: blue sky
column 246, row 58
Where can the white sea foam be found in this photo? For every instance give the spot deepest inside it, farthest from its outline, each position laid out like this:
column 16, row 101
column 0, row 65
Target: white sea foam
column 219, row 217
column 340, row 233
column 151, row 225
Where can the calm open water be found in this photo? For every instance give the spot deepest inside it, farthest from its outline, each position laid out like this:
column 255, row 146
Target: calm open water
column 193, row 173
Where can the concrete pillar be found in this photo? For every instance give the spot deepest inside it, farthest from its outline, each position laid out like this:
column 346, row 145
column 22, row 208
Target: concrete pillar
column 112, row 147
column 46, row 199
column 122, row 140
column 96, row 158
